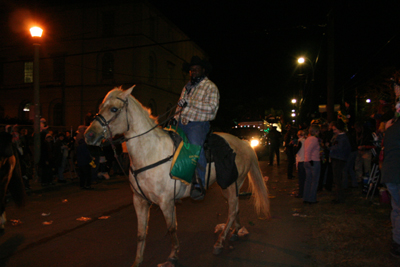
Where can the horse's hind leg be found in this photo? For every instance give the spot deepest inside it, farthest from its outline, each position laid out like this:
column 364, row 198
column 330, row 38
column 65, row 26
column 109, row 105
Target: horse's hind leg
column 169, row 212
column 233, row 202
column 142, row 208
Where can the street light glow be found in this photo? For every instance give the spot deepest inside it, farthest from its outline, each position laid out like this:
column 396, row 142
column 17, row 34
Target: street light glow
column 36, row 31
column 294, row 101
column 368, row 100
column 293, row 114
column 301, row 60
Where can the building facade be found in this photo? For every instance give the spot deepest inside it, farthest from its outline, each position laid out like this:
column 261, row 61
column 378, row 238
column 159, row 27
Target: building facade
column 85, row 51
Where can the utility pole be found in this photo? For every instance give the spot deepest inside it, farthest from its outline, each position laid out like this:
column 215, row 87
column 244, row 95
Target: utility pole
column 331, row 67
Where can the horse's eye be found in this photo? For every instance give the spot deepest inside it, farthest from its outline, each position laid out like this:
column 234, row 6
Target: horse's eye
column 114, row 109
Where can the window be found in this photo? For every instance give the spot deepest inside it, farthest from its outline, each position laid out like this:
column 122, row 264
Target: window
column 28, row 72
column 26, row 111
column 108, row 66
column 27, row 107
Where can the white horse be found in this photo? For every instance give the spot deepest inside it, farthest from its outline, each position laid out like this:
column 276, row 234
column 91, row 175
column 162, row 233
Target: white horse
column 121, row 113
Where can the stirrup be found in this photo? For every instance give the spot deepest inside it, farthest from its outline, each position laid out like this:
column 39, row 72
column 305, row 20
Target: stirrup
column 197, row 193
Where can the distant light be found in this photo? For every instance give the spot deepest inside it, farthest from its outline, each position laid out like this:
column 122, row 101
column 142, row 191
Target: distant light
column 301, row 60
column 368, row 100
column 293, row 120
column 293, row 114
column 294, row 101
column 254, row 143
column 36, row 32
column 293, row 110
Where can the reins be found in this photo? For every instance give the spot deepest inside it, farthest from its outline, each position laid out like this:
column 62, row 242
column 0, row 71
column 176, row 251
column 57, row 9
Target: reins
column 105, row 124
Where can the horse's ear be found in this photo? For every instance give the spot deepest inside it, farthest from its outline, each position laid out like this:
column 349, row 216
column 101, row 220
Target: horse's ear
column 127, row 92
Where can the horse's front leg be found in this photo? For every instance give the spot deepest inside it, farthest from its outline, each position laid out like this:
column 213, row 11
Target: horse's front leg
column 233, row 202
column 142, row 208
column 169, row 211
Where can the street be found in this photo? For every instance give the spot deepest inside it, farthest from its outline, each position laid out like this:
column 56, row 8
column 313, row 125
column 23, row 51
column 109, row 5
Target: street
column 49, row 234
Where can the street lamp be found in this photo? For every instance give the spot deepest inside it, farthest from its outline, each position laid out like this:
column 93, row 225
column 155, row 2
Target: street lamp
column 302, row 60
column 294, row 100
column 36, row 33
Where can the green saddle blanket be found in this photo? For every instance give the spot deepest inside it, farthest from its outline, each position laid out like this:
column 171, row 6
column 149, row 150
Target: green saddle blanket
column 185, row 158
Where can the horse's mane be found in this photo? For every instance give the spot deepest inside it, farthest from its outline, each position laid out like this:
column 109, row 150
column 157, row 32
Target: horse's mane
column 146, row 112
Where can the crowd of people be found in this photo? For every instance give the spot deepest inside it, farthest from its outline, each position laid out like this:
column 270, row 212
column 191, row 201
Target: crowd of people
column 64, row 155
column 345, row 154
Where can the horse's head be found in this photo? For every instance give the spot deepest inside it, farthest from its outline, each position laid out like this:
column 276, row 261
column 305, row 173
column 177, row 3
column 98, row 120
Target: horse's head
column 112, row 118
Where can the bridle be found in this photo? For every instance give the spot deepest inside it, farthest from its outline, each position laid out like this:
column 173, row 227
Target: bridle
column 106, row 124
column 106, row 127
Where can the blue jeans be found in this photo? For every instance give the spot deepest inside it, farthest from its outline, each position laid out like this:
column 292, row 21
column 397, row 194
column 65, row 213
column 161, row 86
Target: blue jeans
column 312, row 179
column 394, row 190
column 196, row 132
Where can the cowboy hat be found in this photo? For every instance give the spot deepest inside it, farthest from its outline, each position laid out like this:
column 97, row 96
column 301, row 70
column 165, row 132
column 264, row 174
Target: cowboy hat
column 197, row 61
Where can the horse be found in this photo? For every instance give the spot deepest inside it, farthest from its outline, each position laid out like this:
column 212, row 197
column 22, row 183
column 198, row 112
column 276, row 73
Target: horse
column 150, row 149
column 10, row 177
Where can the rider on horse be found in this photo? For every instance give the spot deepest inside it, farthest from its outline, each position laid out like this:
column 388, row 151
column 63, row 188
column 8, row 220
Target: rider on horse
column 197, row 106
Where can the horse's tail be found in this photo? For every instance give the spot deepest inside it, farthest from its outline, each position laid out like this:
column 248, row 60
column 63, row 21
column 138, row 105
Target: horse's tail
column 259, row 189
column 16, row 185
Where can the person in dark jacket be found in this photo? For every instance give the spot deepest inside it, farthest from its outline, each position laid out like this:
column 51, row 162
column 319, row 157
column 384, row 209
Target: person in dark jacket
column 339, row 153
column 391, row 177
column 275, row 140
column 47, row 160
column 61, row 154
column 289, row 143
column 84, row 160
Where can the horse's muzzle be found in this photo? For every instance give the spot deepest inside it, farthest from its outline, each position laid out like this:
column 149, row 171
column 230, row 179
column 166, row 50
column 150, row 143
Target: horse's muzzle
column 92, row 138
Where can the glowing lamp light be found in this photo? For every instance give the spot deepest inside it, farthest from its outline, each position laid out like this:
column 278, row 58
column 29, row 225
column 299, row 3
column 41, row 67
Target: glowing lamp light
column 301, row 60
column 254, row 143
column 368, row 100
column 294, row 101
column 293, row 110
column 293, row 114
column 36, row 32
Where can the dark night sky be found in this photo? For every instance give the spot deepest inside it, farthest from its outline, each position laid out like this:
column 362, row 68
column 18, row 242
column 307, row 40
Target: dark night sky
column 253, row 45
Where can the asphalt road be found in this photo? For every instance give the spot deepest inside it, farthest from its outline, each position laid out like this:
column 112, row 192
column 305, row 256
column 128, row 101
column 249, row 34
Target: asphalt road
column 111, row 241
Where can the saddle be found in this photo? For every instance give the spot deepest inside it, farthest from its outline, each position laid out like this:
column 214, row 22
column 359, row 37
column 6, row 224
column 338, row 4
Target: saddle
column 217, row 150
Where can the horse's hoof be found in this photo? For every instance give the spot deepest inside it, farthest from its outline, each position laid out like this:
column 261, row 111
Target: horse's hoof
column 217, row 250
column 234, row 237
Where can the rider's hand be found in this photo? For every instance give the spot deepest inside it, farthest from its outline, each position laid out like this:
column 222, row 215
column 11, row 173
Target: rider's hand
column 182, row 103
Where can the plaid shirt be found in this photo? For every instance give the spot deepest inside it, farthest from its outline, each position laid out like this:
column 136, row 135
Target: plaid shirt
column 202, row 103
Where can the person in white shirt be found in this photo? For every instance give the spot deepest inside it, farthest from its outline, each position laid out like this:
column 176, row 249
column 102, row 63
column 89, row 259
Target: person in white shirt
column 312, row 164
